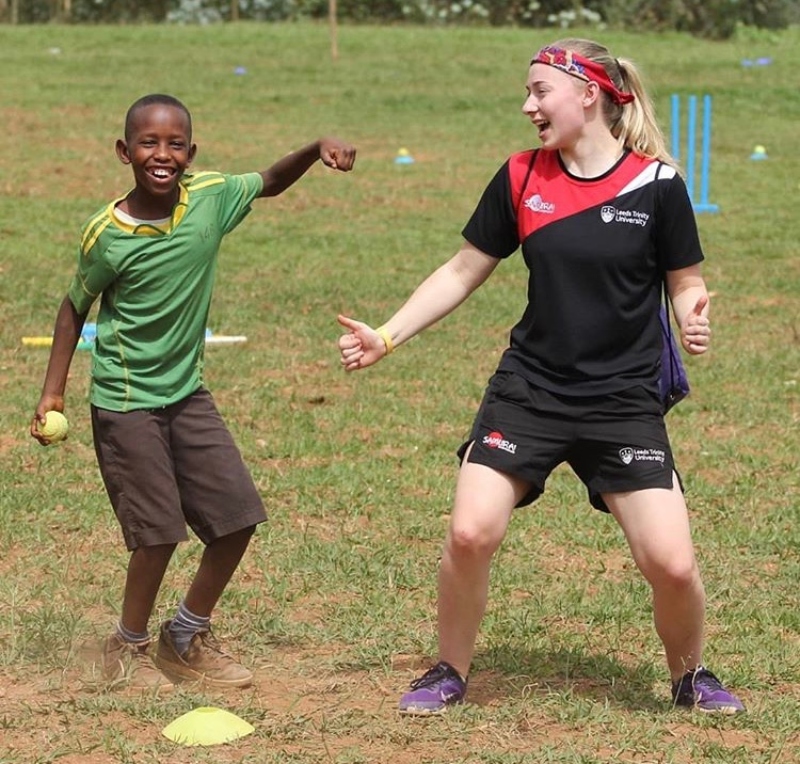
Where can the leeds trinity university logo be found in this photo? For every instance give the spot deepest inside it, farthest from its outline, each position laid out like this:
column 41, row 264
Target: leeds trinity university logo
column 610, row 214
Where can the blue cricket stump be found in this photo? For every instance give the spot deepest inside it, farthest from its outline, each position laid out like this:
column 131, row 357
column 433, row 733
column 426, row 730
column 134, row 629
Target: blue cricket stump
column 702, row 204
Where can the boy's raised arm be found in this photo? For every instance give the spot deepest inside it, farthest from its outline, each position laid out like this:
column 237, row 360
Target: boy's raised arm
column 286, row 171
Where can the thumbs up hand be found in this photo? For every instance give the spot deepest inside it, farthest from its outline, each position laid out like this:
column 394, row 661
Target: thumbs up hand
column 696, row 328
column 361, row 346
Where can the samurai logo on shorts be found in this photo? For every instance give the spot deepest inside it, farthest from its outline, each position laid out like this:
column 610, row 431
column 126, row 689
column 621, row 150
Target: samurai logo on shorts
column 496, row 440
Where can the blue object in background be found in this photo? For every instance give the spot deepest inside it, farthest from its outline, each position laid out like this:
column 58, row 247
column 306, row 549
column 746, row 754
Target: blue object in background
column 404, row 157
column 89, row 332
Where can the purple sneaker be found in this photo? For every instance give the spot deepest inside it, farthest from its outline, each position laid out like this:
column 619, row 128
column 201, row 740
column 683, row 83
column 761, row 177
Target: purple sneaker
column 434, row 691
column 700, row 689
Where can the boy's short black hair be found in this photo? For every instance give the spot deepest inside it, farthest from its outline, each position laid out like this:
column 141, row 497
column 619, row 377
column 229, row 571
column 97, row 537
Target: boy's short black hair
column 152, row 100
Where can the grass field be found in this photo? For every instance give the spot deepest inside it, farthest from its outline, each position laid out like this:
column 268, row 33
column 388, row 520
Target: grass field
column 334, row 605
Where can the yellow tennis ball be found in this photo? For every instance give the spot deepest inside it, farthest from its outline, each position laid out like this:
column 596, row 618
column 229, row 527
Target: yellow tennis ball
column 55, row 426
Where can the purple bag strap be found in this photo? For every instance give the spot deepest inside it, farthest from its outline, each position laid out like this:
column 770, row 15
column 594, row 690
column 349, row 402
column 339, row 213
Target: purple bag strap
column 673, row 381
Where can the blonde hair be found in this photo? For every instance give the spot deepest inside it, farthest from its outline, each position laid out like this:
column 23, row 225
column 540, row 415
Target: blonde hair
column 634, row 125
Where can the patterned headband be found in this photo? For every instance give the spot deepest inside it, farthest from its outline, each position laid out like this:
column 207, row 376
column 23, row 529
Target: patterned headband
column 582, row 68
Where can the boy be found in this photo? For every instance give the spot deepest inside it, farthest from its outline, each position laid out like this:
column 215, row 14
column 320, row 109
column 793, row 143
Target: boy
column 165, row 454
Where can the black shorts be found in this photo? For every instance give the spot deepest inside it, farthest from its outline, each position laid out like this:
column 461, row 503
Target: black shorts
column 614, row 443
column 169, row 467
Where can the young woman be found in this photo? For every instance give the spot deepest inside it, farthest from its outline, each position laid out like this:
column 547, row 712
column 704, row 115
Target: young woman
column 603, row 219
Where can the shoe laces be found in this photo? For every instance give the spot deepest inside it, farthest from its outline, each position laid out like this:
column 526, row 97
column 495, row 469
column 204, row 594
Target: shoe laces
column 142, row 660
column 699, row 679
column 209, row 642
column 139, row 657
column 703, row 679
column 438, row 673
column 133, row 649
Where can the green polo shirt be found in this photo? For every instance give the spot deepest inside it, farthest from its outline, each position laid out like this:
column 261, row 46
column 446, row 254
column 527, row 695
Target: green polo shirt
column 155, row 287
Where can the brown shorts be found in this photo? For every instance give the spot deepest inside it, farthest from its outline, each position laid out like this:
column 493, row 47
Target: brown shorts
column 169, row 467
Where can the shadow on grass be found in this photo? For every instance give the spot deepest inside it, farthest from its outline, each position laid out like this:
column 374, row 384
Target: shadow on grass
column 507, row 672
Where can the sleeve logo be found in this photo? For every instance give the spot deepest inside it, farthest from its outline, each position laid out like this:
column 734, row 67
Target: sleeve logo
column 535, row 203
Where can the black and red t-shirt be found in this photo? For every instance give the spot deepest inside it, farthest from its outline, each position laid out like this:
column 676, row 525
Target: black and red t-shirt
column 596, row 250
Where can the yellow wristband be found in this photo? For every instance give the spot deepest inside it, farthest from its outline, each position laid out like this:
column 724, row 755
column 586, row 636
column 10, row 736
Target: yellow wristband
column 383, row 333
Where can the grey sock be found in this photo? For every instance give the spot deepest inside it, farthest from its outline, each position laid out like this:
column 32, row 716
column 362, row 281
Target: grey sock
column 184, row 626
column 131, row 636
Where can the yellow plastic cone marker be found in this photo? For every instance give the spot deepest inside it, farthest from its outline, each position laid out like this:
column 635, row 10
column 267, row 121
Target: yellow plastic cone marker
column 404, row 157
column 207, row 726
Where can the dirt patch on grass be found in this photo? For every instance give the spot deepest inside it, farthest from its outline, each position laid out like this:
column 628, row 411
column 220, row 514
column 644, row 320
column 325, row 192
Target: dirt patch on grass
column 307, row 713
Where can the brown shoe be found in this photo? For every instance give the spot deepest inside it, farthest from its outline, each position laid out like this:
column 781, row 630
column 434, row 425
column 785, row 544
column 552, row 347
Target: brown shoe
column 127, row 665
column 204, row 661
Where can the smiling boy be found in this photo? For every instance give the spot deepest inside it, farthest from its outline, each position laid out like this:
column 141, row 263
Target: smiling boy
column 166, row 456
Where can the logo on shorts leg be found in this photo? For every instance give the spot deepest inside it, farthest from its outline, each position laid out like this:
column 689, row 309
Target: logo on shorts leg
column 496, row 440
column 629, row 454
